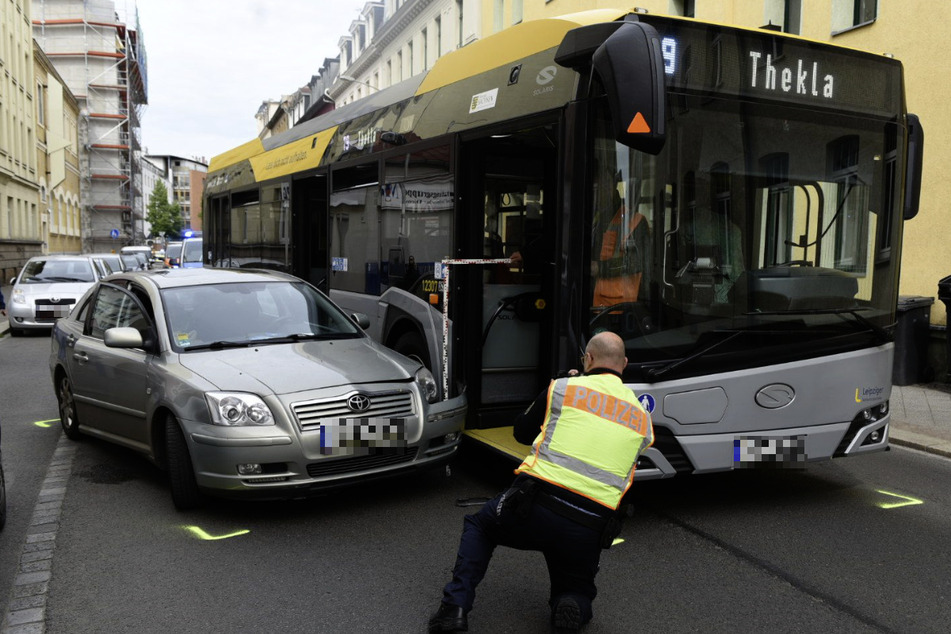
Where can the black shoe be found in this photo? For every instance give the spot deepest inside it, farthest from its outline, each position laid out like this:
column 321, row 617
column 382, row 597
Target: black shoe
column 449, row 618
column 566, row 617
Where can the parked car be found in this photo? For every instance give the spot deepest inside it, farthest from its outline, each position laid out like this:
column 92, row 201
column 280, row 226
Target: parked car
column 142, row 253
column 244, row 383
column 173, row 255
column 192, row 253
column 132, row 262
column 108, row 263
column 3, row 495
column 46, row 289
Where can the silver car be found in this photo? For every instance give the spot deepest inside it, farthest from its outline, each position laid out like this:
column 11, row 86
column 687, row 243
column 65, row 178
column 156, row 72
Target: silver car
column 244, row 383
column 46, row 289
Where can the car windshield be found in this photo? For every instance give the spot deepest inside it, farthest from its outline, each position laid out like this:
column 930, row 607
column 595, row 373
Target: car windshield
column 47, row 271
column 214, row 316
column 174, row 250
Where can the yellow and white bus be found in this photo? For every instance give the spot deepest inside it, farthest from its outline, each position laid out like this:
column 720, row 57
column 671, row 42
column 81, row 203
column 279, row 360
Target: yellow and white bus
column 730, row 201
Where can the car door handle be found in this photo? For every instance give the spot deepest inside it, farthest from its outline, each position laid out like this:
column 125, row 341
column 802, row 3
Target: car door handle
column 80, row 356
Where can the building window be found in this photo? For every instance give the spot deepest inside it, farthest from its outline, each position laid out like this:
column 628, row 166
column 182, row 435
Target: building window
column 40, row 105
column 438, row 37
column 784, row 13
column 848, row 14
column 685, row 8
column 460, row 22
column 425, row 40
column 516, row 11
column 497, row 17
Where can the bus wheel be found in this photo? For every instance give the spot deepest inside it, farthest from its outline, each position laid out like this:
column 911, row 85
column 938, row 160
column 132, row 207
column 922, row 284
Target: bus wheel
column 411, row 344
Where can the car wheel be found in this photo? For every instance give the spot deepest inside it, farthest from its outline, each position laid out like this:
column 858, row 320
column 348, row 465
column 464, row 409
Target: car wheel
column 3, row 499
column 16, row 332
column 181, row 473
column 67, row 408
column 411, row 344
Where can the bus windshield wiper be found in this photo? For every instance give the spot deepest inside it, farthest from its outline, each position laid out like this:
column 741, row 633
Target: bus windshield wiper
column 881, row 334
column 658, row 372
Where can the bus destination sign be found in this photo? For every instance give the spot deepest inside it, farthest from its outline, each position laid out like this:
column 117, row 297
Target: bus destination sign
column 764, row 65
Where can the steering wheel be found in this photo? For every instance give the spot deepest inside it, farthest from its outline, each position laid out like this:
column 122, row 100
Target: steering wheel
column 628, row 319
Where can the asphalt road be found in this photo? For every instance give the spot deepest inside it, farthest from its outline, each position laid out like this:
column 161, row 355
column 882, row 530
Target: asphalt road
column 854, row 545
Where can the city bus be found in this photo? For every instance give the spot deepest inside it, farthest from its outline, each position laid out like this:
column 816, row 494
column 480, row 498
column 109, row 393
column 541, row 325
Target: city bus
column 728, row 200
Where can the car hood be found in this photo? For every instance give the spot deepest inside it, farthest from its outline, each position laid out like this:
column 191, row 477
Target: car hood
column 55, row 289
column 297, row 367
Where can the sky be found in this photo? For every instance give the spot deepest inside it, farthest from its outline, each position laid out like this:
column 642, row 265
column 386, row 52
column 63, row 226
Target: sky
column 211, row 63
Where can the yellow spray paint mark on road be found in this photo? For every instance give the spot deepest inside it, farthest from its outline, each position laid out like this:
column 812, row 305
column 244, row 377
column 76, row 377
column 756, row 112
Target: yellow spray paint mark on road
column 201, row 534
column 908, row 501
column 46, row 423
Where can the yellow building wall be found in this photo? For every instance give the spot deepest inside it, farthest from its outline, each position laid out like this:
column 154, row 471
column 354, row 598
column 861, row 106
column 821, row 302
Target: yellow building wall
column 911, row 30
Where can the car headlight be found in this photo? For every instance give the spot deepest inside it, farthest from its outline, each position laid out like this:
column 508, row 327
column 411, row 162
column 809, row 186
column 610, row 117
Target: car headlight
column 18, row 296
column 235, row 409
column 427, row 384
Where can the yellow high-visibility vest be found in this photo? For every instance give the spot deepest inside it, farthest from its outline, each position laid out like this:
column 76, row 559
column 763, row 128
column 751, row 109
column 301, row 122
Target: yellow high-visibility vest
column 594, row 430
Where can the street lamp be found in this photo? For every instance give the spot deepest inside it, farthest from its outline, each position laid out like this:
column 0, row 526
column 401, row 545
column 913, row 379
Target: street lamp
column 356, row 81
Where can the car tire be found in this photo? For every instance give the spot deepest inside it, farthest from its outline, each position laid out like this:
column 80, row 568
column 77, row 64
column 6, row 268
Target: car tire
column 181, row 473
column 411, row 344
column 16, row 332
column 67, row 408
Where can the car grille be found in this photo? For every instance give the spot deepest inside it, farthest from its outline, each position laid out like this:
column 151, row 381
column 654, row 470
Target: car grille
column 395, row 404
column 351, row 464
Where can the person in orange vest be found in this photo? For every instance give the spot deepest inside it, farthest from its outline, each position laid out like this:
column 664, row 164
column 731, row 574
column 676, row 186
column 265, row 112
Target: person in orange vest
column 622, row 258
column 587, row 432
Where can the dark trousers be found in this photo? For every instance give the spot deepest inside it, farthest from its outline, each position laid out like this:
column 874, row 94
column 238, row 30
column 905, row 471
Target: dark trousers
column 572, row 552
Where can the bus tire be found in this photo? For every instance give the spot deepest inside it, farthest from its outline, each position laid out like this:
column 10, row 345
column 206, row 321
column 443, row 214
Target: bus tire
column 412, row 345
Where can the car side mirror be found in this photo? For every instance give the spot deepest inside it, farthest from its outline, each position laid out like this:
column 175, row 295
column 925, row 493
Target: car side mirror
column 123, row 338
column 361, row 320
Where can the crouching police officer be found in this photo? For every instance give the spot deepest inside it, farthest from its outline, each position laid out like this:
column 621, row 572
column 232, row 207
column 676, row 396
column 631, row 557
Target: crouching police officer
column 565, row 497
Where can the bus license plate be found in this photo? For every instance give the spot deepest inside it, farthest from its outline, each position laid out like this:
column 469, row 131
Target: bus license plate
column 361, row 436
column 755, row 451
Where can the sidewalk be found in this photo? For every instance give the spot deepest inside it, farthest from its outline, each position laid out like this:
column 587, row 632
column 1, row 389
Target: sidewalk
column 921, row 414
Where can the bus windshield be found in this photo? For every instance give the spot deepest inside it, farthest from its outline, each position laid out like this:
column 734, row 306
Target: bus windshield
column 759, row 226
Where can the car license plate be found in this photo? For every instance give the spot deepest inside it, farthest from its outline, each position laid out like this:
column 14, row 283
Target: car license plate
column 52, row 312
column 361, row 436
column 755, row 451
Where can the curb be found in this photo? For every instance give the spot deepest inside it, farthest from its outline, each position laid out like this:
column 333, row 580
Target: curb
column 921, row 442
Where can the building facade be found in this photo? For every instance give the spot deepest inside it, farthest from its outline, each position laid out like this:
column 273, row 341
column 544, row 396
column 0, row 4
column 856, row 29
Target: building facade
column 187, row 180
column 21, row 234
column 95, row 46
column 57, row 151
column 394, row 40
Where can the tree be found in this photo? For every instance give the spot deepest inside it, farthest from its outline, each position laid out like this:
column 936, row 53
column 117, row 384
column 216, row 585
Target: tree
column 162, row 215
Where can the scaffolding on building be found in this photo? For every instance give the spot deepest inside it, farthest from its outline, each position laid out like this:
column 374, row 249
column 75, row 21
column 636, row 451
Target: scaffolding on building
column 102, row 59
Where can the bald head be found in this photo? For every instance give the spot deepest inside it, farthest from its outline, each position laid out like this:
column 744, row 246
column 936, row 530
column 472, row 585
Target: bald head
column 606, row 350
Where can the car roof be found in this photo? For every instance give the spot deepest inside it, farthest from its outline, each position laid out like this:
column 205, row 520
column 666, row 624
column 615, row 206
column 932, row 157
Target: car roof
column 176, row 278
column 57, row 256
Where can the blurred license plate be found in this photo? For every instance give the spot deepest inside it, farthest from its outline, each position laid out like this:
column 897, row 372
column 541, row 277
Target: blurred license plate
column 753, row 451
column 52, row 312
column 352, row 436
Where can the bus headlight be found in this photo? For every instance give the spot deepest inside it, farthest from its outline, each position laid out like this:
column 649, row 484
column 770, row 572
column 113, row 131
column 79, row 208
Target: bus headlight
column 427, row 384
column 235, row 409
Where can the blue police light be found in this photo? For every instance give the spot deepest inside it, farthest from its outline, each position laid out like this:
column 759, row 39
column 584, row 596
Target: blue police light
column 188, row 233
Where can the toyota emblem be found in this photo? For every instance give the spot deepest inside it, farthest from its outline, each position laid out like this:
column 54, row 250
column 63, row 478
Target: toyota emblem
column 358, row 403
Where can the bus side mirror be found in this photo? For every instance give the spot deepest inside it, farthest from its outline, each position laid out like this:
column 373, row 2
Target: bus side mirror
column 916, row 142
column 631, row 67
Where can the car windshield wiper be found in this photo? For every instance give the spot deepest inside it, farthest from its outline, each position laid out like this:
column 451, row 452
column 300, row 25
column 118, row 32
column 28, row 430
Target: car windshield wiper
column 55, row 278
column 297, row 336
column 881, row 334
column 221, row 345
column 658, row 372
